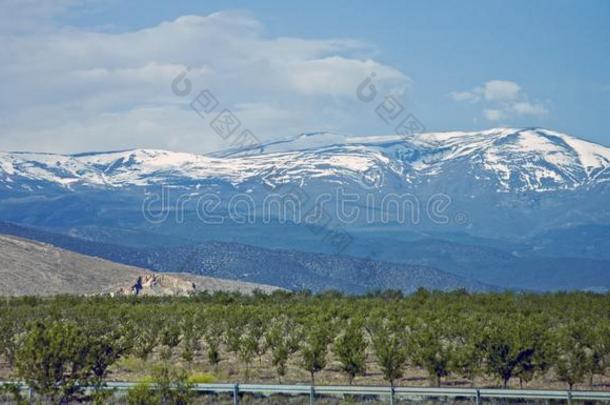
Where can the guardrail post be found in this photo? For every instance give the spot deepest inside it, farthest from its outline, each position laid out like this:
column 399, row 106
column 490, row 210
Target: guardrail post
column 569, row 397
column 312, row 395
column 392, row 395
column 478, row 397
column 235, row 394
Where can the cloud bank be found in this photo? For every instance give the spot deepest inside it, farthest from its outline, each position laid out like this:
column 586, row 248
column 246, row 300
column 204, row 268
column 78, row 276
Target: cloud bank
column 69, row 89
column 501, row 100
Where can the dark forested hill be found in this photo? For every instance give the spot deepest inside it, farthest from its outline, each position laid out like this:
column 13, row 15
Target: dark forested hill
column 283, row 268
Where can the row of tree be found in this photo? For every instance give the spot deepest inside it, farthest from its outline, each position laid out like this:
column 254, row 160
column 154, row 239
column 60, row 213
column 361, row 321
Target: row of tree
column 62, row 344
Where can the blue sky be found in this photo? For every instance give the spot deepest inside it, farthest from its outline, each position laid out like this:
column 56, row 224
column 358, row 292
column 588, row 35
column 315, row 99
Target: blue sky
column 455, row 65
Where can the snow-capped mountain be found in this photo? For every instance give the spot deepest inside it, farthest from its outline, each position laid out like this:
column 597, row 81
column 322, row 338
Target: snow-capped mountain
column 503, row 159
column 486, row 205
column 496, row 182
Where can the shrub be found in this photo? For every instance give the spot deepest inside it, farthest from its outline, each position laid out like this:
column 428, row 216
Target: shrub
column 172, row 386
column 142, row 394
column 202, row 378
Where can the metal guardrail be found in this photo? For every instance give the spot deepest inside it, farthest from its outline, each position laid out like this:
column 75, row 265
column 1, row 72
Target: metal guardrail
column 474, row 393
column 477, row 394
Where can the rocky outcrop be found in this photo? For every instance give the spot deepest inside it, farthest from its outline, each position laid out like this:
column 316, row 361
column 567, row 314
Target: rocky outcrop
column 159, row 284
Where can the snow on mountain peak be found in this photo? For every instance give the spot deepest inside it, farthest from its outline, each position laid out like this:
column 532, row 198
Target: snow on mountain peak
column 523, row 159
column 529, row 159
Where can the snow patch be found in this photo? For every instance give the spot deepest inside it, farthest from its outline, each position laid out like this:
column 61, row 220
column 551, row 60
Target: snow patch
column 516, row 159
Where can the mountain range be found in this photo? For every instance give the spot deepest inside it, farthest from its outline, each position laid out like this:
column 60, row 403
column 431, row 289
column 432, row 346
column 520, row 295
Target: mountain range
column 503, row 159
column 523, row 208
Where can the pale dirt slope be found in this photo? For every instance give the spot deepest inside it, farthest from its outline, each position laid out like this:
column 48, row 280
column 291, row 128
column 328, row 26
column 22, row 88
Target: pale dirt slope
column 34, row 268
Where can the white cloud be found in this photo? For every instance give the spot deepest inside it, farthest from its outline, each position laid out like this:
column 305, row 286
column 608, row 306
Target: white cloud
column 501, row 99
column 68, row 89
column 501, row 90
column 527, row 108
column 337, row 75
column 472, row 96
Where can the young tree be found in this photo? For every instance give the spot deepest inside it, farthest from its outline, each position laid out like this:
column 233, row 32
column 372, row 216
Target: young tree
column 572, row 362
column 350, row 349
column 389, row 344
column 212, row 341
column 146, row 336
column 212, row 328
column 279, row 359
column 170, row 338
column 52, row 360
column 283, row 337
column 544, row 351
column 314, row 348
column 597, row 342
column 235, row 322
column 106, row 343
column 247, row 350
column 431, row 349
column 464, row 340
column 512, row 345
column 256, row 329
column 465, row 360
column 190, row 337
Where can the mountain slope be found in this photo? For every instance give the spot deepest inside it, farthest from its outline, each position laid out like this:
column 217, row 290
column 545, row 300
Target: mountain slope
column 298, row 270
column 510, row 269
column 289, row 269
column 34, row 268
